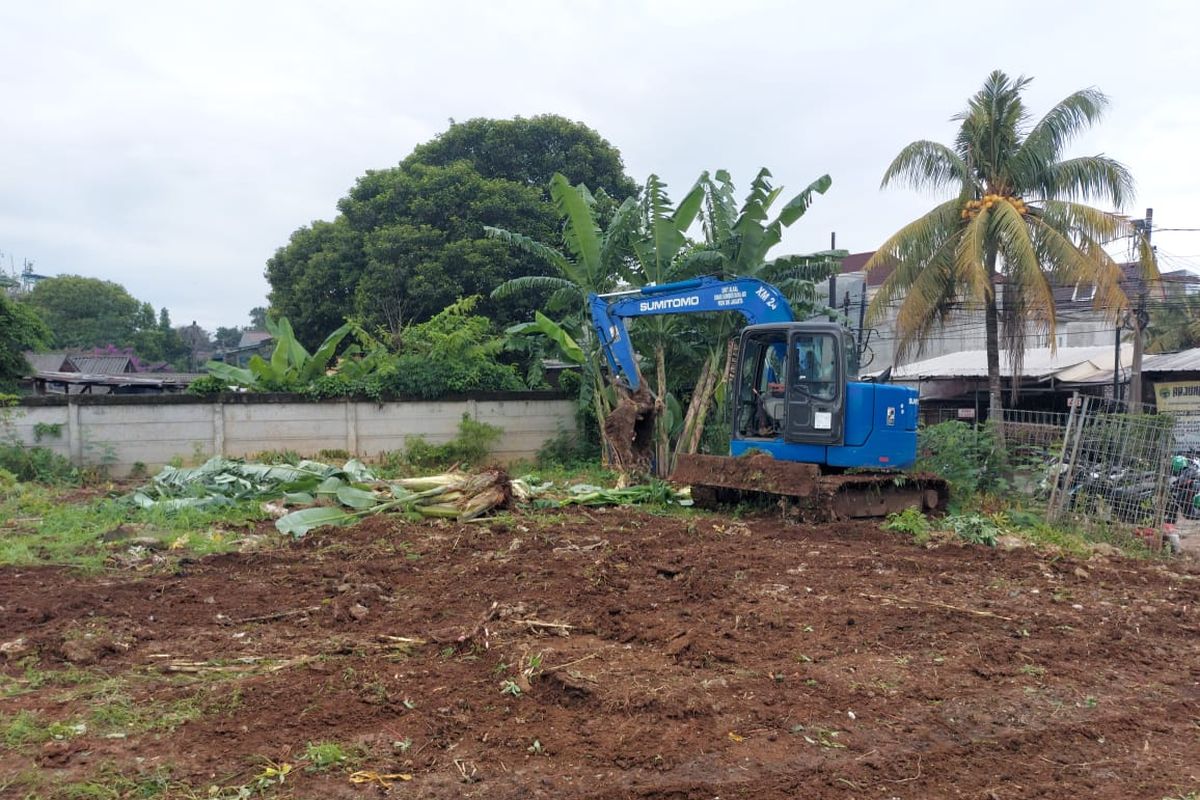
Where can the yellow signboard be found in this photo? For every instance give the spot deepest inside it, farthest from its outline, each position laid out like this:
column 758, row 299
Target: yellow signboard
column 1182, row 396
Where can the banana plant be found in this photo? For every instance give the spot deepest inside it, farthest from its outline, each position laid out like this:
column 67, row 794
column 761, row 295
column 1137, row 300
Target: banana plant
column 738, row 242
column 290, row 366
column 591, row 260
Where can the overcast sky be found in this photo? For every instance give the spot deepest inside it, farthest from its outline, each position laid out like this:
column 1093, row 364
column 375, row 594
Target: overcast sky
column 173, row 146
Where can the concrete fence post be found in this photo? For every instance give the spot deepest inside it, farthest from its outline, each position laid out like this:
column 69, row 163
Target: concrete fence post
column 352, row 428
column 218, row 420
column 74, row 433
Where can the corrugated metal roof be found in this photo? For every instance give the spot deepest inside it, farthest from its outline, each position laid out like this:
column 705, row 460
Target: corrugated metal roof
column 122, row 379
column 1183, row 361
column 54, row 362
column 1068, row 363
column 102, row 365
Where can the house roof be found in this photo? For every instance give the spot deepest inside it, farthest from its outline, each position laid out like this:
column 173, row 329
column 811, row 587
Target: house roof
column 855, row 263
column 1072, row 364
column 118, row 379
column 253, row 338
column 57, row 362
column 1183, row 361
column 103, row 365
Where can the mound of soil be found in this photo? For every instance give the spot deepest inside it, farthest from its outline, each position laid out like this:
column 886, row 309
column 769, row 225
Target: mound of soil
column 619, row 654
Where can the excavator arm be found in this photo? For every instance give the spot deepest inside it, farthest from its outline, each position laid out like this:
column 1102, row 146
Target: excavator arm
column 758, row 302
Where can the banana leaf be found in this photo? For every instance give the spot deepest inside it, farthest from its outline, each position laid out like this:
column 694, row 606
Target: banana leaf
column 301, row 522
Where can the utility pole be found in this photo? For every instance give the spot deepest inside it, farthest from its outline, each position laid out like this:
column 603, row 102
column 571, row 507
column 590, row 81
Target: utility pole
column 1141, row 318
column 833, row 277
column 1117, row 365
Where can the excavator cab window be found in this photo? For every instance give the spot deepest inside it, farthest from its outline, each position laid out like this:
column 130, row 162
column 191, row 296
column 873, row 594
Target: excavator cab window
column 762, row 383
column 814, row 369
column 816, row 385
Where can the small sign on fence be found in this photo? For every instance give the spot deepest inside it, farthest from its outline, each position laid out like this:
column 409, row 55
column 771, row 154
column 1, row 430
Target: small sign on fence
column 966, row 413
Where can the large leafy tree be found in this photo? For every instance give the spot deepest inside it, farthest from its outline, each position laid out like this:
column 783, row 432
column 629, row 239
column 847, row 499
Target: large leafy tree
column 530, row 151
column 88, row 312
column 21, row 329
column 1174, row 324
column 1018, row 218
column 410, row 240
column 227, row 338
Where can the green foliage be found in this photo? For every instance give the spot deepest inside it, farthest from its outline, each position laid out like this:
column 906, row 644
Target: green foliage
column 21, row 329
column 43, row 430
column 227, row 338
column 207, row 386
column 452, row 353
column 974, row 528
column 323, row 756
column 471, row 447
column 568, row 449
column 967, row 457
column 89, row 312
column 529, row 150
column 8, row 482
column 566, row 346
column 410, row 239
column 37, row 464
column 291, row 367
column 910, row 522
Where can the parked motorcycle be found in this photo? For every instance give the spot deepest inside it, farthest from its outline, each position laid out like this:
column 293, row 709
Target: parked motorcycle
column 1119, row 493
column 1184, row 487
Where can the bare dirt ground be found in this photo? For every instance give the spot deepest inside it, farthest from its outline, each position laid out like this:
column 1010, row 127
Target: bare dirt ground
column 616, row 654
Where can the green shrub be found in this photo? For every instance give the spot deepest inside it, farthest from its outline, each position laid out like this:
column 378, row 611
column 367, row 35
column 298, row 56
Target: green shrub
column 38, row 464
column 910, row 522
column 207, row 386
column 423, row 378
column 471, row 446
column 968, row 458
column 568, row 449
column 974, row 528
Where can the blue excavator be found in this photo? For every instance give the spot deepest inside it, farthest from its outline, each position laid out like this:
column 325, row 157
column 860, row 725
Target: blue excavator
column 804, row 428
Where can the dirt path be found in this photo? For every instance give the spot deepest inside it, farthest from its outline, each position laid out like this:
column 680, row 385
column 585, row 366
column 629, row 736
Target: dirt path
column 615, row 654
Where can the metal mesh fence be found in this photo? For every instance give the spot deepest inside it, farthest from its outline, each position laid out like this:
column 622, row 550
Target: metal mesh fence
column 1114, row 468
column 1034, row 441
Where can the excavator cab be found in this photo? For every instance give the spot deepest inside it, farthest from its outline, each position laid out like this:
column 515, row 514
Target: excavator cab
column 791, row 383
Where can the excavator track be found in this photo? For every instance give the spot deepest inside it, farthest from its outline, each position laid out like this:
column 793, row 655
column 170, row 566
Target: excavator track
column 804, row 490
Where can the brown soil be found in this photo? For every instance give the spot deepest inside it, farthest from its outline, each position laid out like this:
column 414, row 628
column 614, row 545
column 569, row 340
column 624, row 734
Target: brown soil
column 672, row 657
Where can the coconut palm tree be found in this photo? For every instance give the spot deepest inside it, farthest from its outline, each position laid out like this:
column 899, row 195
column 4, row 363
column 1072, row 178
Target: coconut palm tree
column 1018, row 217
column 1174, row 324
